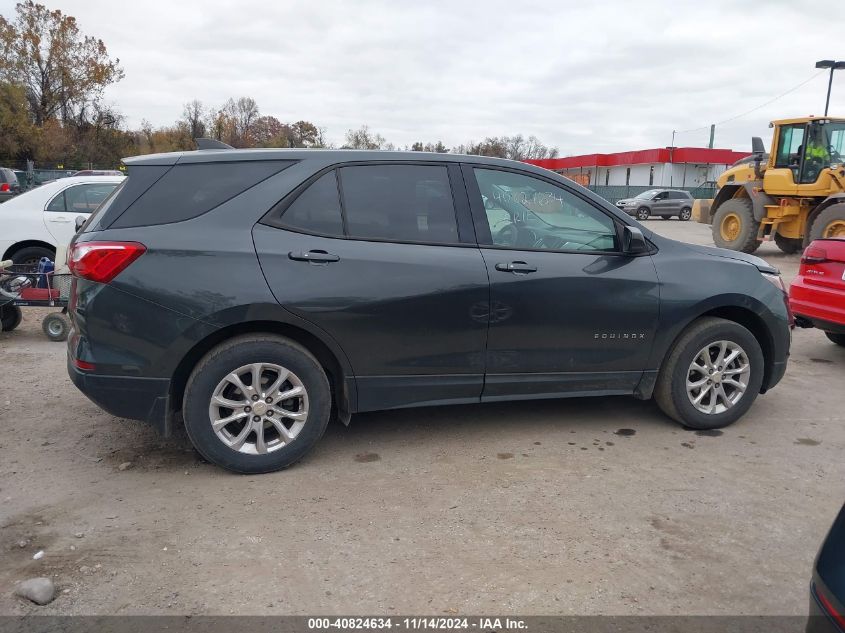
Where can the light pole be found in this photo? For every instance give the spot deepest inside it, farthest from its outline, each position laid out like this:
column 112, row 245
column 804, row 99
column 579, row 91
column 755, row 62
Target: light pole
column 833, row 65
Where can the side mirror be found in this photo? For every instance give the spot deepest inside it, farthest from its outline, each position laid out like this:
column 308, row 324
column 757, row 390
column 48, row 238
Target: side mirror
column 633, row 241
column 80, row 222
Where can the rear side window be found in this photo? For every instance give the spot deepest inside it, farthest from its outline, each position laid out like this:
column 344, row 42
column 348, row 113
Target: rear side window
column 403, row 203
column 81, row 198
column 190, row 190
column 317, row 209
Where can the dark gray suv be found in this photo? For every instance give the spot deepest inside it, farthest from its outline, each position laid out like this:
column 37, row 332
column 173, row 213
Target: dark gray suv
column 663, row 203
column 254, row 294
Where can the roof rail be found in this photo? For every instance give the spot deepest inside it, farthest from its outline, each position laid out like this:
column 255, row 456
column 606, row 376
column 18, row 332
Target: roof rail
column 210, row 143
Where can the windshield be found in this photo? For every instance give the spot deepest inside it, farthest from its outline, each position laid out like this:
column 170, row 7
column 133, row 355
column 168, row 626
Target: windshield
column 647, row 195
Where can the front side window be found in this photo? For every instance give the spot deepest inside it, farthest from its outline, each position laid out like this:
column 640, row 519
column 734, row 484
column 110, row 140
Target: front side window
column 647, row 195
column 317, row 209
column 403, row 203
column 528, row 213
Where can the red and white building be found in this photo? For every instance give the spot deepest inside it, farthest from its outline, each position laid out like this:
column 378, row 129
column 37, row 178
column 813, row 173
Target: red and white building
column 663, row 167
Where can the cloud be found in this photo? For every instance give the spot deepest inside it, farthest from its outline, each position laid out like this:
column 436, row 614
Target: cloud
column 586, row 77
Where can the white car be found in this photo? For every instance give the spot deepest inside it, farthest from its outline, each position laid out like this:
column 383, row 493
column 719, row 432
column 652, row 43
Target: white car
column 34, row 224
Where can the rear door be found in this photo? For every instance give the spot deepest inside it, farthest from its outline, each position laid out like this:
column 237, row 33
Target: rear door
column 570, row 314
column 382, row 257
column 62, row 210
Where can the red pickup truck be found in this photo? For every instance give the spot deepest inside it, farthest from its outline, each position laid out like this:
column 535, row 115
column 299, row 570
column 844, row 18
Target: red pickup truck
column 817, row 295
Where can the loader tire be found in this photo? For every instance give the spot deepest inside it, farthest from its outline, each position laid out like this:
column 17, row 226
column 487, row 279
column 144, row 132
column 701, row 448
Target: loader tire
column 829, row 223
column 734, row 226
column 788, row 245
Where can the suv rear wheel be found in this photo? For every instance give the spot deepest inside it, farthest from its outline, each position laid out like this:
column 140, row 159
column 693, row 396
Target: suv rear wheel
column 712, row 375
column 256, row 404
column 685, row 214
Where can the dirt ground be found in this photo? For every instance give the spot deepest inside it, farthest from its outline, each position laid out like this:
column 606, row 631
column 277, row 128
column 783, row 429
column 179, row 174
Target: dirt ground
column 592, row 506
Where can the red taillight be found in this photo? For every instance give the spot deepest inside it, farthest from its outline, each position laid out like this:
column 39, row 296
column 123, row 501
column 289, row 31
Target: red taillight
column 102, row 261
column 84, row 365
column 5, row 187
column 831, row 610
column 814, row 255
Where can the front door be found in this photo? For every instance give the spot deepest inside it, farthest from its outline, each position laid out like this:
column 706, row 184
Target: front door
column 387, row 272
column 570, row 314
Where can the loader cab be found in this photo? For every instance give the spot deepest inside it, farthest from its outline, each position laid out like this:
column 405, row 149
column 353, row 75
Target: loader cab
column 803, row 149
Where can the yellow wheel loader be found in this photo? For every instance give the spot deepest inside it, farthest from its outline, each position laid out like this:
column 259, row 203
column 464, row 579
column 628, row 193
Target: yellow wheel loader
column 793, row 195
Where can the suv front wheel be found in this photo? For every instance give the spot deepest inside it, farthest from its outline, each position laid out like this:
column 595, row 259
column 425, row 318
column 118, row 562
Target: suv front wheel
column 712, row 375
column 256, row 404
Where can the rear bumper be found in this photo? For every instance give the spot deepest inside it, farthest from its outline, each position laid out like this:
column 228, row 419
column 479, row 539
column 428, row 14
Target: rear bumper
column 816, row 303
column 130, row 397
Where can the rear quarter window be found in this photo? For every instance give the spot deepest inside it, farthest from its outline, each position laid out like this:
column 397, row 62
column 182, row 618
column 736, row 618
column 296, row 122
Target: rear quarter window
column 187, row 191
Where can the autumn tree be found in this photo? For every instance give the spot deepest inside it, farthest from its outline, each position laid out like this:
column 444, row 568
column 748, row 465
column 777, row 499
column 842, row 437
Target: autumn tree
column 17, row 133
column 512, row 147
column 364, row 138
column 61, row 70
column 438, row 147
column 193, row 118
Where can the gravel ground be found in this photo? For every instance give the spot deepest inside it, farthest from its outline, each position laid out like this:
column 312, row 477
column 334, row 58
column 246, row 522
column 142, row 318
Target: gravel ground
column 592, row 506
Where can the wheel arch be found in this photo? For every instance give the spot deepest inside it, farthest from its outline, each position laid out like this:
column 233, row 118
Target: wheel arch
column 341, row 379
column 753, row 190
column 14, row 248
column 836, row 198
column 745, row 317
column 752, row 322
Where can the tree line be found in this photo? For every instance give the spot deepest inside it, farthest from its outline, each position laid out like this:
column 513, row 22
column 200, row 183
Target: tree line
column 52, row 80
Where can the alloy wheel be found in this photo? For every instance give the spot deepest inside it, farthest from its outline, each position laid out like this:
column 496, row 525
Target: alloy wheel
column 258, row 408
column 718, row 377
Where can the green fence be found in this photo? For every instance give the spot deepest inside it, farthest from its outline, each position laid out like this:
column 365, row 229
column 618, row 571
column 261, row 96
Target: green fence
column 614, row 193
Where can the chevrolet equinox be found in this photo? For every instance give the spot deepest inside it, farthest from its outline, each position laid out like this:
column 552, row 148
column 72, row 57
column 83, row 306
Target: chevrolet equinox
column 254, row 294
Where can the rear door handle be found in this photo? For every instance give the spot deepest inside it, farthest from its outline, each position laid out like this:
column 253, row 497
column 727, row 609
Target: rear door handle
column 516, row 267
column 315, row 256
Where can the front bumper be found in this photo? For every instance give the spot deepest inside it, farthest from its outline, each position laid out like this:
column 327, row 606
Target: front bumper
column 130, row 397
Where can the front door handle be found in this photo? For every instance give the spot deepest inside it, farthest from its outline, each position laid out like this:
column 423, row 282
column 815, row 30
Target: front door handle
column 315, row 256
column 519, row 268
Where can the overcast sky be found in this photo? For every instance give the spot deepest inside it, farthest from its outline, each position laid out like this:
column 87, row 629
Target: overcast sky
column 583, row 76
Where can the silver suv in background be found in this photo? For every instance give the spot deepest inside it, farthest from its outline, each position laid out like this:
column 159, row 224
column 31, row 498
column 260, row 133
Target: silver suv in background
column 665, row 203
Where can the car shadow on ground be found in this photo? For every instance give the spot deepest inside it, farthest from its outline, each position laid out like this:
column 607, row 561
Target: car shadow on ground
column 504, row 426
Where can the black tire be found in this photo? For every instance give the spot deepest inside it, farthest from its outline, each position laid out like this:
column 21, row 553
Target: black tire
column 745, row 240
column 231, row 355
column 671, row 390
column 788, row 245
column 643, row 213
column 31, row 255
column 831, row 219
column 664, row 217
column 56, row 326
column 10, row 317
column 685, row 214
column 837, row 338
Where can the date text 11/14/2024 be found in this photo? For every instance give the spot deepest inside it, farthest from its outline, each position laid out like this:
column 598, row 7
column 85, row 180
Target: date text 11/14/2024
column 421, row 623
